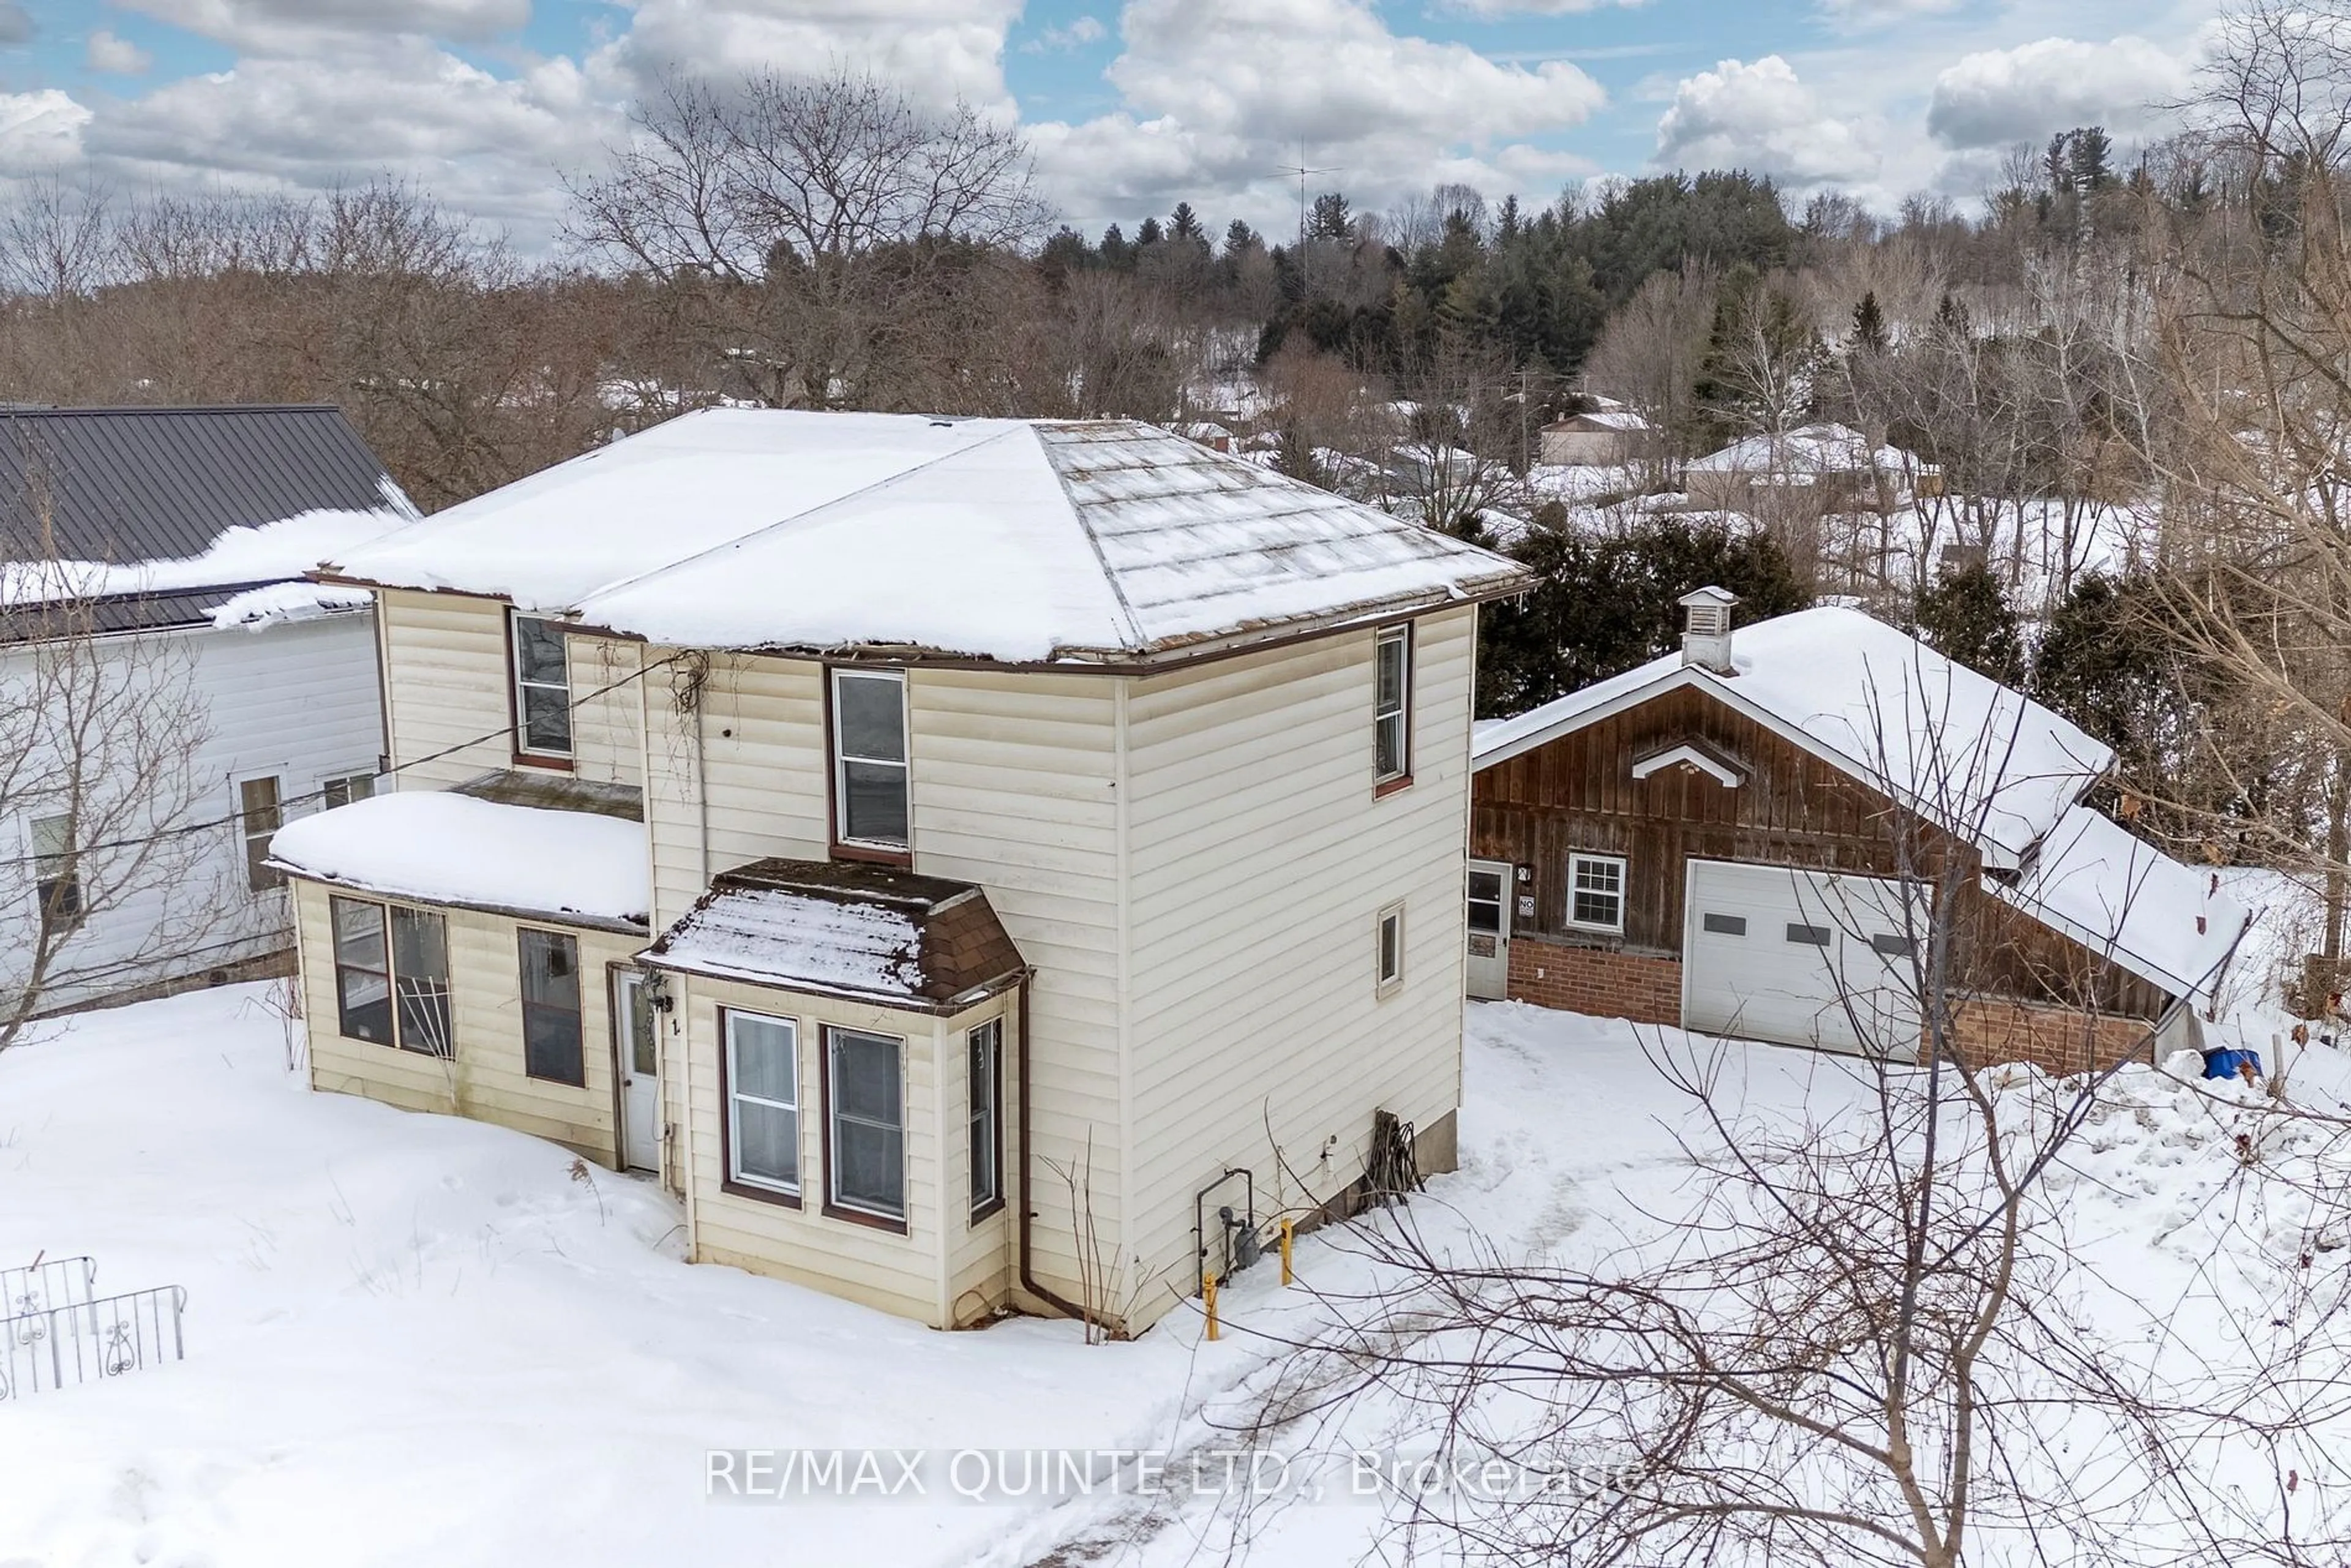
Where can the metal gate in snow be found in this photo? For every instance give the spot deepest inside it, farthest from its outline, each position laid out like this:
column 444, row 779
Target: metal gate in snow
column 57, row 1331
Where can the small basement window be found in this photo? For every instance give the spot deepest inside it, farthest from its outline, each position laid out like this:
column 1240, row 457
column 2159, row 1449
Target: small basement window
column 1392, row 705
column 1388, row 948
column 57, row 875
column 1595, row 893
column 260, row 815
column 542, row 687
column 868, row 758
column 551, row 1046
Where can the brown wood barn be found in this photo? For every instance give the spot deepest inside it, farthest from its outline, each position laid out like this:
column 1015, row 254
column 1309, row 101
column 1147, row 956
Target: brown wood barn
column 1733, row 838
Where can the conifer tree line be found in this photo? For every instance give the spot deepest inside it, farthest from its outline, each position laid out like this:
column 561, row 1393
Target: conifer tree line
column 2111, row 385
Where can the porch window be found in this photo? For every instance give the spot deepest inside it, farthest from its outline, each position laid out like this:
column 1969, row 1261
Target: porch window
column 259, row 815
column 363, row 971
column 420, row 980
column 864, row 1083
column 57, row 875
column 551, row 1045
column 542, row 687
column 1390, row 949
column 342, row 791
column 1595, row 893
column 763, row 1102
column 986, row 1048
column 1392, row 705
column 869, row 760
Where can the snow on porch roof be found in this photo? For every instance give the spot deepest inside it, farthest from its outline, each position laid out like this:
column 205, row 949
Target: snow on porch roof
column 2166, row 922
column 438, row 847
column 1990, row 764
column 1011, row 539
column 841, row 929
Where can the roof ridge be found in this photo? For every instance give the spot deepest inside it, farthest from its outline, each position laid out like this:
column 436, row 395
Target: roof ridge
column 781, row 524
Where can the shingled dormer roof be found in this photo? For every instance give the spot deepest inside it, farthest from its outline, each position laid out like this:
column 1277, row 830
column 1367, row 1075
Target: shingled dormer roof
column 1014, row 541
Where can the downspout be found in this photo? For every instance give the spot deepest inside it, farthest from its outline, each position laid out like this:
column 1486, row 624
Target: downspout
column 1028, row 1208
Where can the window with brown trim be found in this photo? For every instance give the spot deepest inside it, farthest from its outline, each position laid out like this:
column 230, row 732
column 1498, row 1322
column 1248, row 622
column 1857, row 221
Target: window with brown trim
column 865, row 1132
column 542, row 687
column 391, row 975
column 363, row 971
column 1388, row 949
column 763, row 1101
column 985, row 1047
column 1392, row 704
column 871, row 791
column 552, row 1046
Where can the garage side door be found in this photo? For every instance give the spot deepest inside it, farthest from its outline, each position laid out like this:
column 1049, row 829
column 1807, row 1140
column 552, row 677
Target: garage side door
column 1797, row 957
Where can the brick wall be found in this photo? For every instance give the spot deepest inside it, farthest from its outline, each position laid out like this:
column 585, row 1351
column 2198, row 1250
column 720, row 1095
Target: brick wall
column 1991, row 1030
column 1596, row 980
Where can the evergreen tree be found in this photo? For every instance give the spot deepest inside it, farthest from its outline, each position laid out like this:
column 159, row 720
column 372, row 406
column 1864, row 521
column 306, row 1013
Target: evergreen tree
column 1116, row 253
column 1330, row 218
column 1239, row 240
column 1149, row 234
column 1869, row 334
column 1184, row 223
column 2089, row 155
column 1967, row 618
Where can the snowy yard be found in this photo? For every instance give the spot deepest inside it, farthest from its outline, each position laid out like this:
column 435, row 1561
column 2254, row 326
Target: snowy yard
column 415, row 1339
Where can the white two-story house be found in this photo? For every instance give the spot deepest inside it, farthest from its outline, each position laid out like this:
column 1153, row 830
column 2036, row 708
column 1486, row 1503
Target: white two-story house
column 976, row 864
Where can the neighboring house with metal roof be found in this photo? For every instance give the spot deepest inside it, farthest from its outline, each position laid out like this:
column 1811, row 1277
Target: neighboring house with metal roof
column 1732, row 839
column 154, row 557
column 1023, row 836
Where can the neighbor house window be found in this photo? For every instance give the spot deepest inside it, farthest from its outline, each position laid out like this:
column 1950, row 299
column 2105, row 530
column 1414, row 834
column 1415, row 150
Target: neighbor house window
column 869, row 758
column 1595, row 893
column 342, row 791
column 1392, row 705
column 1389, row 947
column 550, row 1008
column 259, row 815
column 763, row 1102
column 57, row 875
column 542, row 688
column 420, row 980
column 864, row 1086
column 363, row 971
column 392, row 991
column 986, row 1048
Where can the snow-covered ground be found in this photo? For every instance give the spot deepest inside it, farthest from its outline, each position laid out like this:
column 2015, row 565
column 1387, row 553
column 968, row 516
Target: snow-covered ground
column 418, row 1340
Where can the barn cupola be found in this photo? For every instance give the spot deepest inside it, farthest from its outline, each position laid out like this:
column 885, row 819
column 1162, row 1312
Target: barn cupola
column 1705, row 635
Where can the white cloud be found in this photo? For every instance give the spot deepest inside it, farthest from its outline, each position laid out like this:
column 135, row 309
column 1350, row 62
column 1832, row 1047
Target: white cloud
column 287, row 24
column 39, row 131
column 117, row 56
column 1060, row 40
column 1493, row 8
column 2000, row 96
column 1879, row 13
column 942, row 49
column 1762, row 118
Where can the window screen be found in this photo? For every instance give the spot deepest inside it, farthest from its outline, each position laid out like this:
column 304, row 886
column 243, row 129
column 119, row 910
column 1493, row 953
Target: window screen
column 763, row 1101
column 550, row 1008
column 363, row 971
column 542, row 675
column 869, row 771
column 868, row 1133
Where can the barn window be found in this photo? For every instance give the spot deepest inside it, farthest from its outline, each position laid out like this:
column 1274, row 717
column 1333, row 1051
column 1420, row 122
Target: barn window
column 550, row 1008
column 1392, row 705
column 542, row 688
column 868, row 758
column 1595, row 893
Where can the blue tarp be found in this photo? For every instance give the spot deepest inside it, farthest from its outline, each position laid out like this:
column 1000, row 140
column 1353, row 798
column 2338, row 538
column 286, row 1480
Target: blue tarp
column 2225, row 1064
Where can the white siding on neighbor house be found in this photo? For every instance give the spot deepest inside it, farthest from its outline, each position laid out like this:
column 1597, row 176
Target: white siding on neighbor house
column 451, row 715
column 484, row 1079
column 1259, row 862
column 297, row 701
column 918, row 1274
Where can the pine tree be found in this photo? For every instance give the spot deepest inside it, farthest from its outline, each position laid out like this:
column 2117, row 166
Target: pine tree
column 1869, row 335
column 1330, row 218
column 2088, row 155
column 1184, row 223
column 1149, row 234
column 1239, row 240
column 1968, row 619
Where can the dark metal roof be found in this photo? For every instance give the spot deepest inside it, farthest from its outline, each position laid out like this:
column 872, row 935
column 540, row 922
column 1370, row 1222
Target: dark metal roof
column 127, row 484
column 110, row 613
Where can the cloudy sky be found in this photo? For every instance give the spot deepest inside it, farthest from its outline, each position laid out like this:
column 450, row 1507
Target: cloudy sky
column 1130, row 108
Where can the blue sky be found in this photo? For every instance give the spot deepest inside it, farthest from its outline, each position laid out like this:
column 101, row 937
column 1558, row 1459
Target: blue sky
column 1130, row 107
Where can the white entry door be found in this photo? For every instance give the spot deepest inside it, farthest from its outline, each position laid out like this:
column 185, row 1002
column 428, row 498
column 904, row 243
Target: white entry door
column 1489, row 929
column 1800, row 958
column 639, row 1052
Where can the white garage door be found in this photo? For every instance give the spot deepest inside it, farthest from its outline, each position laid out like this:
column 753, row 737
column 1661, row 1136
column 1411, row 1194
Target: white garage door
column 1800, row 958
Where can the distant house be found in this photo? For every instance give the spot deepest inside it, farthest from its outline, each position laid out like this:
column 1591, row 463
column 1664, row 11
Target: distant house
column 1831, row 467
column 1710, row 841
column 1603, row 437
column 973, row 862
column 165, row 548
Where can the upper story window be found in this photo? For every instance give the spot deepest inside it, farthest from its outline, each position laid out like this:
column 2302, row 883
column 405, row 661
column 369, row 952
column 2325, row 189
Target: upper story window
column 868, row 758
column 542, row 687
column 1392, row 705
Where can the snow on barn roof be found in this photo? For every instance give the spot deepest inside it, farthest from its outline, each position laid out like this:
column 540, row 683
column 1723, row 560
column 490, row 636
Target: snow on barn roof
column 1808, row 449
column 1623, row 419
column 1990, row 764
column 1012, row 540
column 2166, row 922
column 441, row 847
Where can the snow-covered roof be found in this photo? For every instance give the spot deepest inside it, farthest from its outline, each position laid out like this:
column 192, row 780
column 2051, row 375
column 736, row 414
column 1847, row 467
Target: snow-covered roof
column 1810, row 449
column 1989, row 764
column 440, row 847
column 1011, row 539
column 844, row 930
column 2168, row 923
column 1621, row 419
column 272, row 552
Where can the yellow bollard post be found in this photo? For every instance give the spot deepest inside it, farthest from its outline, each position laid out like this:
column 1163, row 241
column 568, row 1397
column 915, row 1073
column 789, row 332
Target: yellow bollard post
column 1208, row 1302
column 1289, row 1232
